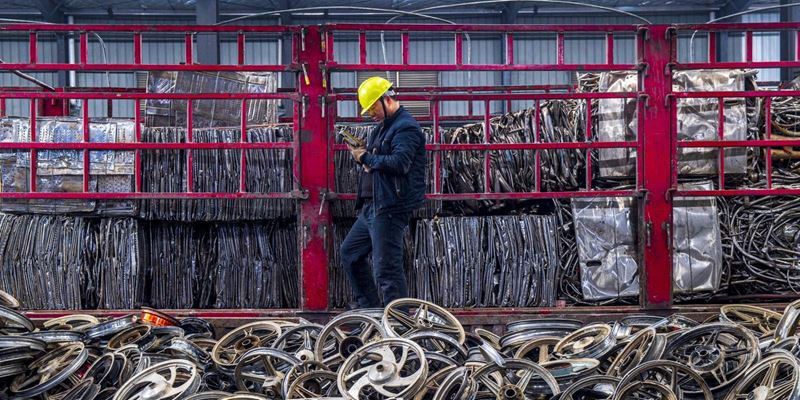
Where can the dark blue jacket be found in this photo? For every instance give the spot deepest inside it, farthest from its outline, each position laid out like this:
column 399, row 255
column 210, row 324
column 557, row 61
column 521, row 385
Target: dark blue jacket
column 398, row 164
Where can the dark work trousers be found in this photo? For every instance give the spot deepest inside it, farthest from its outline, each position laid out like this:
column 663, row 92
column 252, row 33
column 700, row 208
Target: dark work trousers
column 381, row 235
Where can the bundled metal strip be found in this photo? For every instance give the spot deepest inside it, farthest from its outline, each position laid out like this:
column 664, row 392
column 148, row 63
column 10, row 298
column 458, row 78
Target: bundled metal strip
column 62, row 170
column 268, row 170
column 257, row 265
column 118, row 268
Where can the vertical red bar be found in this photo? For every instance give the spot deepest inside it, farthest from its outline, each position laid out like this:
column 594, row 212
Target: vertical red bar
column 437, row 138
column 537, row 139
column 86, row 161
column 84, row 48
column 748, row 46
column 33, row 128
column 329, row 46
column 137, row 48
column 797, row 46
column 362, row 47
column 240, row 48
column 588, row 139
column 189, row 47
column 560, row 48
column 487, row 163
column 406, row 45
column 137, row 120
column 459, row 38
column 768, row 150
column 189, row 139
column 33, row 53
column 609, row 48
column 314, row 226
column 243, row 158
column 712, row 46
column 2, row 108
column 656, row 274
column 509, row 48
column 721, row 132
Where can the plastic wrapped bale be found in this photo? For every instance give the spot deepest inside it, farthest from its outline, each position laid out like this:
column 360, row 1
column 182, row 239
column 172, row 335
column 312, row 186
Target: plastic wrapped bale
column 211, row 113
column 45, row 260
column 118, row 272
column 218, row 171
column 501, row 261
column 697, row 250
column 615, row 120
column 606, row 238
column 62, row 170
column 181, row 264
column 347, row 171
column 698, row 119
column 257, row 265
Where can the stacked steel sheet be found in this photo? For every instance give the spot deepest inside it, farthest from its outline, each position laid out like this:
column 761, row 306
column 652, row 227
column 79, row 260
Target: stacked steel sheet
column 62, row 170
column 218, row 171
column 500, row 261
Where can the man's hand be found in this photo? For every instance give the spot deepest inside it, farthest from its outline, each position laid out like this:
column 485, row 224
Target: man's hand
column 357, row 152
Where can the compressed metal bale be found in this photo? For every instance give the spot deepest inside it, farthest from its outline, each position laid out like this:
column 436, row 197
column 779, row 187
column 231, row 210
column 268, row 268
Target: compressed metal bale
column 606, row 238
column 617, row 120
column 211, row 113
column 697, row 247
column 218, row 171
column 117, row 270
column 498, row 261
column 62, row 170
column 561, row 121
column 257, row 265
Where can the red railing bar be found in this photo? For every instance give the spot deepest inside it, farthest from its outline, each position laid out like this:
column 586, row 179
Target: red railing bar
column 736, row 65
column 437, row 139
column 609, row 48
column 84, row 48
column 33, row 127
column 721, row 133
column 362, row 47
column 511, row 195
column 148, row 195
column 329, row 46
column 86, row 139
column 405, row 50
column 146, row 146
column 756, row 26
column 499, row 96
column 459, row 38
column 537, row 139
column 768, row 128
column 748, row 94
column 469, row 67
column 243, row 157
column 712, row 47
column 739, row 192
column 2, row 108
column 189, row 45
column 137, row 129
column 240, row 48
column 560, row 48
column 797, row 46
column 512, row 146
column 739, row 143
column 33, row 55
column 137, row 48
column 479, row 28
column 448, row 89
column 509, row 48
column 147, row 96
column 148, row 28
column 588, row 138
column 487, row 160
column 189, row 140
column 147, row 67
column 748, row 54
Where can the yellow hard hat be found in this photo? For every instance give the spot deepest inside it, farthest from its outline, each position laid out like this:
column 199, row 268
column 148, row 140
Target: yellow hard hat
column 371, row 90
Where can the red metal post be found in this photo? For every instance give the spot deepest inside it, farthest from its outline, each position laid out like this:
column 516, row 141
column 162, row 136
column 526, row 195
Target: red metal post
column 588, row 139
column 137, row 121
column 560, row 48
column 34, row 161
column 537, row 138
column 437, row 139
column 137, row 48
column 721, row 133
column 240, row 48
column 189, row 139
column 86, row 162
column 657, row 83
column 609, row 48
column 487, row 161
column 33, row 53
column 243, row 157
column 314, row 225
column 406, row 47
column 712, row 47
column 768, row 150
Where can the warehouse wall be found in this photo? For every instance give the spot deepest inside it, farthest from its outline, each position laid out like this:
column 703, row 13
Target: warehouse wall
column 482, row 49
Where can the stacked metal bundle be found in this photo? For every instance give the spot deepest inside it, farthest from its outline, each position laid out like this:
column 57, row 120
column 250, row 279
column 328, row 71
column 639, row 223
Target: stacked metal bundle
column 257, row 266
column 346, row 173
column 268, row 170
column 181, row 264
column 210, row 113
column 562, row 121
column 62, row 170
column 44, row 260
column 118, row 272
column 503, row 261
column 697, row 247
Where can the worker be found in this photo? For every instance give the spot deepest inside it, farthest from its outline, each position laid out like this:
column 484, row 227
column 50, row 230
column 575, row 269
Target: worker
column 391, row 186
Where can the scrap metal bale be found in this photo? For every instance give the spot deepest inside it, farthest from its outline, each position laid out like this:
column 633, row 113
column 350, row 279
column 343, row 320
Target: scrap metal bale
column 697, row 247
column 62, row 170
column 218, row 171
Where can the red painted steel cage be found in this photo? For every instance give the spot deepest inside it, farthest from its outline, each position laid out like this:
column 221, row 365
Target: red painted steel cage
column 315, row 114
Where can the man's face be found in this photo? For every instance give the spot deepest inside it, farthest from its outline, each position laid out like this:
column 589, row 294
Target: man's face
column 376, row 111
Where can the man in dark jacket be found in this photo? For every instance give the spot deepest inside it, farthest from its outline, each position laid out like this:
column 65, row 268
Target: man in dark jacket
column 391, row 186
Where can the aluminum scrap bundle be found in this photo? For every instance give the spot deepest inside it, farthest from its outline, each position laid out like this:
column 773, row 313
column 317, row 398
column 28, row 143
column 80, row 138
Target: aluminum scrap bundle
column 698, row 120
column 257, row 265
column 346, row 173
column 501, row 261
column 697, row 247
column 181, row 264
column 62, row 170
column 606, row 241
column 268, row 170
column 211, row 113
column 44, row 259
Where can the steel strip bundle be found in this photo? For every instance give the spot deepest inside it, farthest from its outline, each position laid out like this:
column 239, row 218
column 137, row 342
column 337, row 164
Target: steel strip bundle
column 62, row 170
column 257, row 265
column 562, row 169
column 118, row 270
column 500, row 261
column 210, row 113
column 268, row 170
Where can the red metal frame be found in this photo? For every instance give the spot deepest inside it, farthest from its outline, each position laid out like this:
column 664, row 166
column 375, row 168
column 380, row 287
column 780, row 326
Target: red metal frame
column 315, row 113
